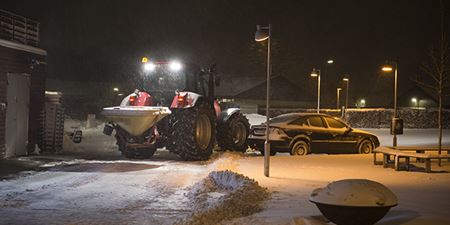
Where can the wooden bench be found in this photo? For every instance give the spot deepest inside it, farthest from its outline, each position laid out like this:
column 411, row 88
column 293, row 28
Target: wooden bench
column 398, row 154
column 423, row 149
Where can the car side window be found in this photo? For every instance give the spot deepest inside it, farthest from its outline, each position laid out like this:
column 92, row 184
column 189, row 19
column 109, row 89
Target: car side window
column 316, row 121
column 333, row 123
column 301, row 122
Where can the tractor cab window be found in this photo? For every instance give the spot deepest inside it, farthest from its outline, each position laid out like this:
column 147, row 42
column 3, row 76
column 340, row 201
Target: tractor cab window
column 202, row 85
column 161, row 83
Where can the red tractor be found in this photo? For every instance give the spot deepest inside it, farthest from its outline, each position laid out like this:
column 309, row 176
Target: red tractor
column 176, row 110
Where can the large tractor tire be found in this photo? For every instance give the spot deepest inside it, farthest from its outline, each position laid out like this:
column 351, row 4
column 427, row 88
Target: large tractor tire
column 192, row 132
column 233, row 134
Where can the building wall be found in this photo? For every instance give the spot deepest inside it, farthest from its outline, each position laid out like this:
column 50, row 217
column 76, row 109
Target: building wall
column 19, row 61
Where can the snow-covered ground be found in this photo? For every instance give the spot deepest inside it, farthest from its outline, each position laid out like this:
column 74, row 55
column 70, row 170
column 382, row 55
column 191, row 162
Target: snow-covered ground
column 90, row 183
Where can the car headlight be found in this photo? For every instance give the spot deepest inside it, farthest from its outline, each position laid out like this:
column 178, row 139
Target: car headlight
column 277, row 131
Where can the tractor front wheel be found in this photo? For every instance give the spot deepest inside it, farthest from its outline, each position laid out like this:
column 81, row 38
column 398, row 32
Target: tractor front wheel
column 193, row 132
column 233, row 134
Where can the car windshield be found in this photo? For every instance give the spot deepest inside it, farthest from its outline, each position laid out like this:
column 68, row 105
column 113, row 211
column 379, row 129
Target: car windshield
column 285, row 118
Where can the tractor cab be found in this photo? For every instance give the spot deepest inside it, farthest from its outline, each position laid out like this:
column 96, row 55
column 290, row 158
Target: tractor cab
column 163, row 80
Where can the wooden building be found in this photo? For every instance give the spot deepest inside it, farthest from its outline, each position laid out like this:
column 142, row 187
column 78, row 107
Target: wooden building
column 22, row 84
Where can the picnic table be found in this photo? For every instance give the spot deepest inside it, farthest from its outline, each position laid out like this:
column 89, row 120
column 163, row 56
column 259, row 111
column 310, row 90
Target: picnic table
column 407, row 152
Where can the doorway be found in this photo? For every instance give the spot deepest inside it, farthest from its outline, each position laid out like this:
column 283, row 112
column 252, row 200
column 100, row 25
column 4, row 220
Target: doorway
column 17, row 110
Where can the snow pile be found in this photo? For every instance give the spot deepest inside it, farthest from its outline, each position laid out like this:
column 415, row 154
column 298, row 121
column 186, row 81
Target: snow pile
column 226, row 161
column 224, row 195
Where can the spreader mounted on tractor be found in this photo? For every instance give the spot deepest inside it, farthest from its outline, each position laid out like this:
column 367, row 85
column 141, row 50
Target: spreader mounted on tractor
column 176, row 109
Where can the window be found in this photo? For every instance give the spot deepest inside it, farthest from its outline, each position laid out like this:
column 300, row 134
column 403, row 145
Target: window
column 285, row 118
column 316, row 121
column 333, row 123
column 301, row 122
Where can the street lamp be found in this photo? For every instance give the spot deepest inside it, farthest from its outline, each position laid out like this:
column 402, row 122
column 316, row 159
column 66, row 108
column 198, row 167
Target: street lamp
column 362, row 103
column 338, row 91
column 316, row 73
column 347, row 81
column 415, row 102
column 262, row 34
column 389, row 67
column 116, row 89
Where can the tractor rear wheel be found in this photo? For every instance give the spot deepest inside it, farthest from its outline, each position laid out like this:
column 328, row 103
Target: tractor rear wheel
column 193, row 132
column 233, row 134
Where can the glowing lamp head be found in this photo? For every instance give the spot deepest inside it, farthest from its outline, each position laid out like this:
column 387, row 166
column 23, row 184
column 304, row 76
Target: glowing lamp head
column 345, row 79
column 330, row 61
column 116, row 89
column 149, row 66
column 386, row 68
column 315, row 73
column 363, row 101
column 144, row 59
column 414, row 100
column 261, row 33
column 175, row 66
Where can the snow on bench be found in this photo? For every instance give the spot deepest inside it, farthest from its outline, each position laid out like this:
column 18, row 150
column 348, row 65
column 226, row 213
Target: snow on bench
column 402, row 152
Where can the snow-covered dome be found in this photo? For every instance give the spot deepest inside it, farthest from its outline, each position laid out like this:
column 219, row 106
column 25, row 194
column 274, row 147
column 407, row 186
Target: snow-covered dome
column 355, row 192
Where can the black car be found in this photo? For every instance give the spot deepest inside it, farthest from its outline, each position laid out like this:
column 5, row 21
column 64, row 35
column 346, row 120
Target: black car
column 304, row 133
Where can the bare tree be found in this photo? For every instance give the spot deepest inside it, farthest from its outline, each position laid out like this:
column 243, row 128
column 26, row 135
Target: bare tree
column 438, row 70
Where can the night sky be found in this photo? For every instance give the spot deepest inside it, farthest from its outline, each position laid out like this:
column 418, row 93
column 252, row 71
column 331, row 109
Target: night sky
column 104, row 40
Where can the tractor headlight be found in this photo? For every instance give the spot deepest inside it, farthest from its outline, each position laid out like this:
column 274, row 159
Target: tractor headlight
column 175, row 66
column 149, row 66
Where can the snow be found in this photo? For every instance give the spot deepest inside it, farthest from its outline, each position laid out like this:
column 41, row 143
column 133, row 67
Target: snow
column 255, row 119
column 91, row 183
column 421, row 196
column 224, row 195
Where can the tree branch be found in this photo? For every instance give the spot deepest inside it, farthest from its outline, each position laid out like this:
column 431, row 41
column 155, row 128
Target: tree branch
column 425, row 85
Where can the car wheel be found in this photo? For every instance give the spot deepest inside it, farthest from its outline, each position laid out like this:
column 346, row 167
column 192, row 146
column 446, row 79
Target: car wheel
column 365, row 147
column 299, row 148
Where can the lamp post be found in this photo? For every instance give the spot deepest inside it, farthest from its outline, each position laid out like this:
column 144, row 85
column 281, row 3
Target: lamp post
column 347, row 81
column 325, row 81
column 316, row 73
column 262, row 34
column 338, row 91
column 388, row 67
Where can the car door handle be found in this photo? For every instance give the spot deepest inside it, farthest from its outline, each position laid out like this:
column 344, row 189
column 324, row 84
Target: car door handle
column 308, row 133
